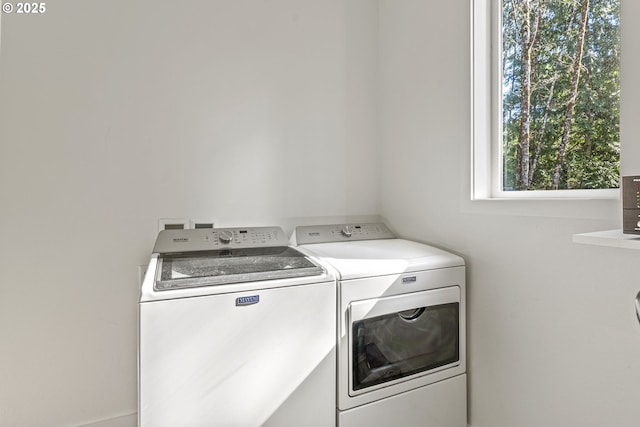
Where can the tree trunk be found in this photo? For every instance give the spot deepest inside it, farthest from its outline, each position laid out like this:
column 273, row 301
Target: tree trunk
column 529, row 34
column 577, row 65
column 522, row 168
column 543, row 130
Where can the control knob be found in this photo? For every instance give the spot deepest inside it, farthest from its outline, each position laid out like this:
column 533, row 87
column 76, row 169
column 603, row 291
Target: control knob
column 226, row 236
column 347, row 231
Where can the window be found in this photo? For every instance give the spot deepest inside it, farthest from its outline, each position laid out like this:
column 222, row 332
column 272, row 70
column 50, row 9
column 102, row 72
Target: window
column 546, row 98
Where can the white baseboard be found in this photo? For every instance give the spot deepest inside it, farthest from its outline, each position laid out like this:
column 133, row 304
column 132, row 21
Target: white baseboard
column 129, row 420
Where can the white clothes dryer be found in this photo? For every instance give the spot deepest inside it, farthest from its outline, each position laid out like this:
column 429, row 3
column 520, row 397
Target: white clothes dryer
column 236, row 328
column 401, row 335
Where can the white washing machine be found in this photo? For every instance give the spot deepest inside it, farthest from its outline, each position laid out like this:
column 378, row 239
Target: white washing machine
column 235, row 329
column 401, row 327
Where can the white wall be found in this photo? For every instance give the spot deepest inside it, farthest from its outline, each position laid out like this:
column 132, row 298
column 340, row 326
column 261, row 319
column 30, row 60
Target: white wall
column 114, row 114
column 553, row 338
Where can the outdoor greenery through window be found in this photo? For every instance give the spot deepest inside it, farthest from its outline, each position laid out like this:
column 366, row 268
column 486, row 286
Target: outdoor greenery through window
column 560, row 94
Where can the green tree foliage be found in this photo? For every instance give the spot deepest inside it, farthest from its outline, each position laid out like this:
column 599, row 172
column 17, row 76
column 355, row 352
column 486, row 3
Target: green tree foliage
column 561, row 94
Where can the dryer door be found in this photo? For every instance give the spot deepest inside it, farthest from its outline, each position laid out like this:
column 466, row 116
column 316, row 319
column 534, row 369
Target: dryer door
column 398, row 338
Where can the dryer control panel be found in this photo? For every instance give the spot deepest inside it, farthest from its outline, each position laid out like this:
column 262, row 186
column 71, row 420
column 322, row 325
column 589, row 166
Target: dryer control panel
column 341, row 233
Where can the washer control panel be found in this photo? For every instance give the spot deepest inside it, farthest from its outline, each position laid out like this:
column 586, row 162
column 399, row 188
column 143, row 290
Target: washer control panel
column 341, row 233
column 205, row 239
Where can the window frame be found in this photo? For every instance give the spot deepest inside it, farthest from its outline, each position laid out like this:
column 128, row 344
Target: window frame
column 486, row 111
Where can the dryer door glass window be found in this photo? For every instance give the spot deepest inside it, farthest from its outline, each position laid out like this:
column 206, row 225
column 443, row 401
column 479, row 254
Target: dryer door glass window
column 400, row 344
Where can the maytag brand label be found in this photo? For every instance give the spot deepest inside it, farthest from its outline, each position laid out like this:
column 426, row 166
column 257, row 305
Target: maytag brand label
column 409, row 279
column 253, row 299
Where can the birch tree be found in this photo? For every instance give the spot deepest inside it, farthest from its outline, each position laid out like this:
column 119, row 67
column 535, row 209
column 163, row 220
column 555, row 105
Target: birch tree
column 575, row 71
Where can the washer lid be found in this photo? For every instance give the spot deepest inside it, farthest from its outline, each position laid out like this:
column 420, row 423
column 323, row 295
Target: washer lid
column 194, row 269
column 219, row 256
column 369, row 258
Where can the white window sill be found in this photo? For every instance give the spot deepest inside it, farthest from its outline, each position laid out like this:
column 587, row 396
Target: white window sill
column 611, row 238
column 583, row 208
column 602, row 194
